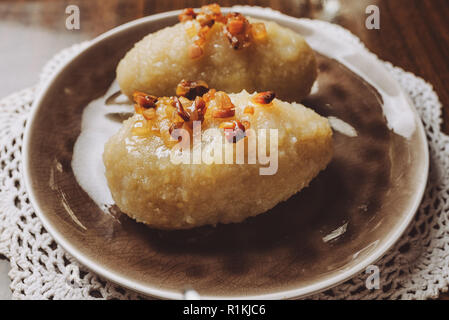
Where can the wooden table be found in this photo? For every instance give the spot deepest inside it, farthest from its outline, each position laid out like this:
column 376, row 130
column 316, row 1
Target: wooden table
column 413, row 34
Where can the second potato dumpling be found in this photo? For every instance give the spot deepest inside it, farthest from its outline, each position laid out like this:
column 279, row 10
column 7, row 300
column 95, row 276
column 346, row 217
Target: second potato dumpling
column 230, row 52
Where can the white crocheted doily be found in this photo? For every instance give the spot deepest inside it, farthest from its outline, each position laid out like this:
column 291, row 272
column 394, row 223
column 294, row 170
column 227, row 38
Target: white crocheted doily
column 416, row 268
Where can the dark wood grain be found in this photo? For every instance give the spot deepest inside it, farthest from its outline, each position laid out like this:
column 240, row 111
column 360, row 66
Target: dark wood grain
column 414, row 34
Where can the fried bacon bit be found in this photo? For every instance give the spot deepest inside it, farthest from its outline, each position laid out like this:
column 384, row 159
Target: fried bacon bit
column 238, row 31
column 191, row 89
column 205, row 20
column 180, row 109
column 139, row 109
column 207, row 17
column 246, row 124
column 248, row 110
column 210, row 95
column 196, row 49
column 234, row 130
column 197, row 109
column 145, row 105
column 210, row 14
column 202, row 34
column 227, row 125
column 264, row 97
column 149, row 114
column 237, row 28
column 187, row 14
column 191, row 105
column 194, row 112
column 201, row 105
column 258, row 31
column 223, row 113
column 226, row 108
column 144, row 100
column 223, row 101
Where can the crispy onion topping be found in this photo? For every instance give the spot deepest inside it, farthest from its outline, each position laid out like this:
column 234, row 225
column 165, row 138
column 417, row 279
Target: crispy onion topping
column 180, row 109
column 144, row 100
column 234, row 130
column 190, row 110
column 239, row 31
column 187, row 14
column 191, row 104
column 264, row 97
column 248, row 110
column 191, row 89
column 224, row 113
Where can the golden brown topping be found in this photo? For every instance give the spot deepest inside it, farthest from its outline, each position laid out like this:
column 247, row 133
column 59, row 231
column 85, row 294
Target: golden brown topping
column 195, row 51
column 226, row 108
column 264, row 97
column 258, row 31
column 149, row 114
column 246, row 124
column 238, row 31
column 144, row 100
column 197, row 110
column 227, row 125
column 234, row 130
column 223, row 113
column 223, row 101
column 191, row 104
column 190, row 110
column 205, row 20
column 210, row 14
column 211, row 10
column 210, row 95
column 249, row 110
column 192, row 89
column 237, row 28
column 173, row 127
column 138, row 108
column 202, row 34
column 180, row 109
column 187, row 14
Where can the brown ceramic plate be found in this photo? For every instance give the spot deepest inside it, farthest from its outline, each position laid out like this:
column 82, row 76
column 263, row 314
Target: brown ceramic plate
column 351, row 214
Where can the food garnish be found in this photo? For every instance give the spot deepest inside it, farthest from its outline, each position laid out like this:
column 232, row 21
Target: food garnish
column 264, row 97
column 239, row 31
column 192, row 89
column 192, row 100
column 145, row 100
column 234, row 130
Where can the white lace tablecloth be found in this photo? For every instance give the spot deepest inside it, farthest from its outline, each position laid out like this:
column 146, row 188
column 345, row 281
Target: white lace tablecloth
column 416, row 268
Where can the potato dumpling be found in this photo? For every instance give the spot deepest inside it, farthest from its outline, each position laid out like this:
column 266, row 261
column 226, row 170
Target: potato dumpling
column 230, row 53
column 150, row 187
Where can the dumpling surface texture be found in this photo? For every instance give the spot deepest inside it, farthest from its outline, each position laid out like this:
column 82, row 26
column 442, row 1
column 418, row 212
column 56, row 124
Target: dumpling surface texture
column 283, row 62
column 150, row 188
